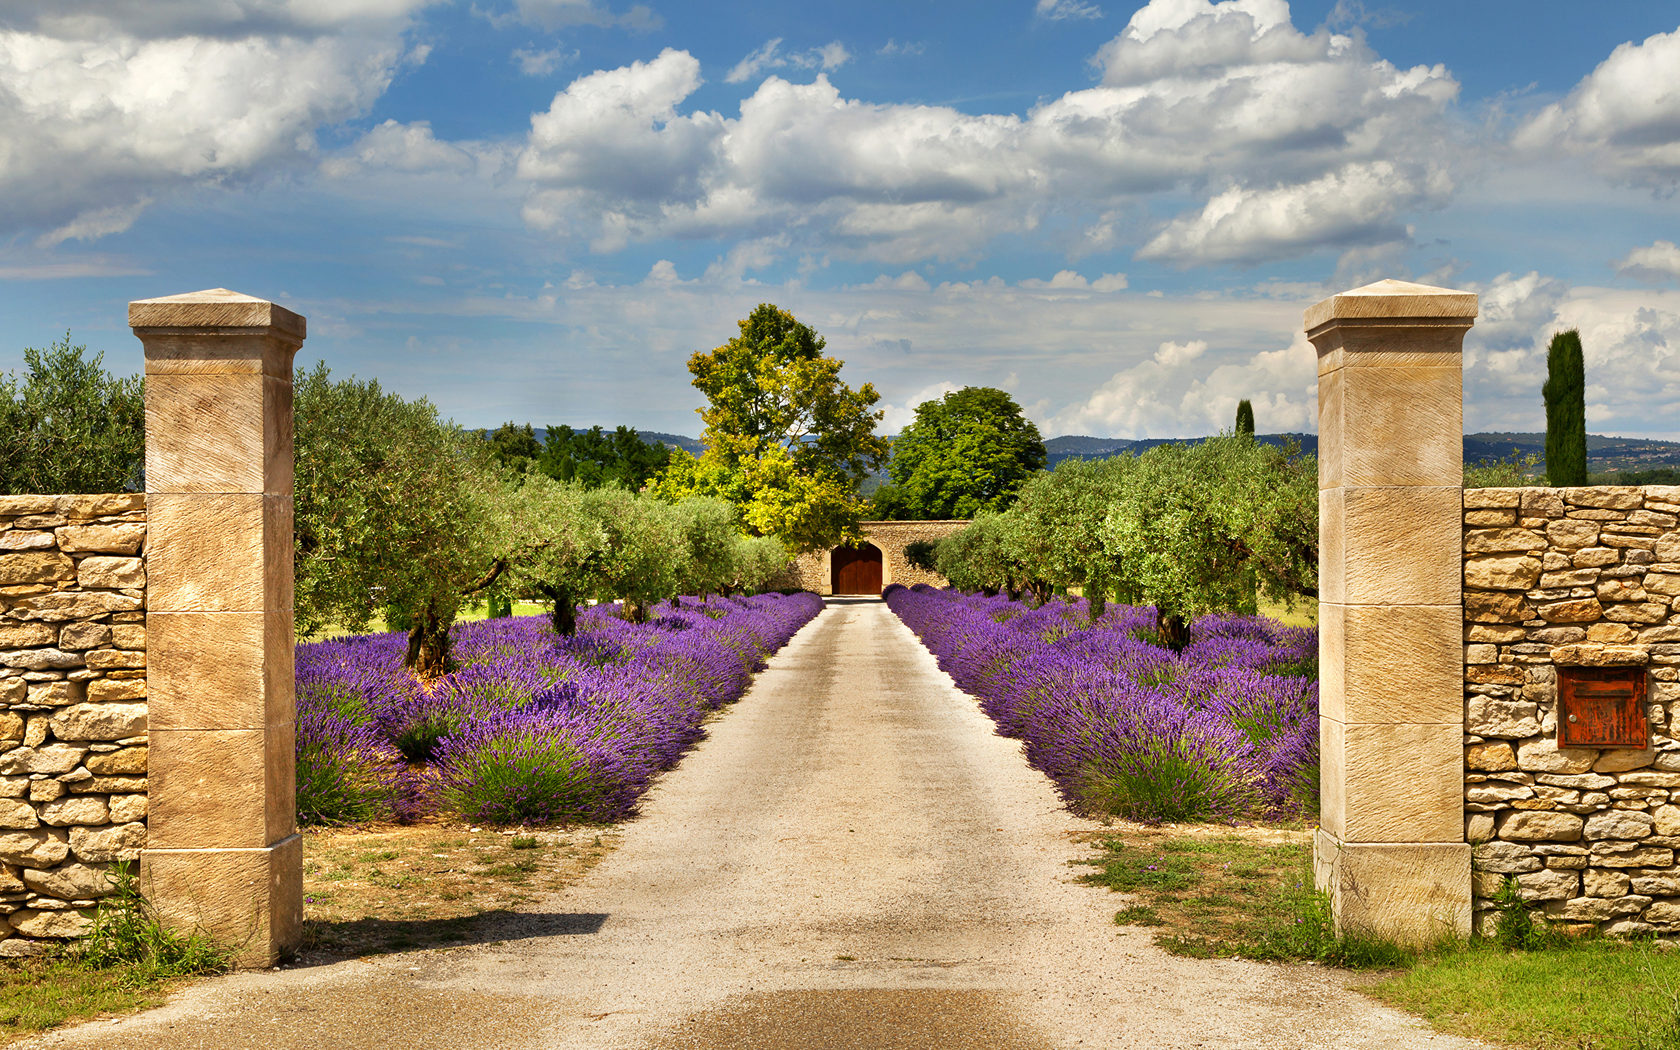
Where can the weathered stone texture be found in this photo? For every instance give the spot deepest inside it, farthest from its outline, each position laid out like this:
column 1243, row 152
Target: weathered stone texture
column 813, row 571
column 72, row 708
column 1576, row 577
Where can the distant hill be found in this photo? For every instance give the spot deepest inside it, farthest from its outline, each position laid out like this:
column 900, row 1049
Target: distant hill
column 1604, row 454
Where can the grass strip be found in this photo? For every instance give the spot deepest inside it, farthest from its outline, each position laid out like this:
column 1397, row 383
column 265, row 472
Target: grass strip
column 1222, row 893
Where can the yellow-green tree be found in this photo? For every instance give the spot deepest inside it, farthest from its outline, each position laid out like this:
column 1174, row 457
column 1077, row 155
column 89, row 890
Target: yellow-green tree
column 787, row 442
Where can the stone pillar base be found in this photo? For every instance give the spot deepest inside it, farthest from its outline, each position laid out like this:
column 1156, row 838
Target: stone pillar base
column 1413, row 893
column 248, row 899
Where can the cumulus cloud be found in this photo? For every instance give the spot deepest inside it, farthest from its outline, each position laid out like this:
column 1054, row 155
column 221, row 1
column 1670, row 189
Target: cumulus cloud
column 535, row 63
column 393, row 146
column 1299, row 142
column 1630, row 340
column 105, row 107
column 1060, row 10
column 1624, row 115
column 829, row 56
column 1661, row 262
column 1182, row 390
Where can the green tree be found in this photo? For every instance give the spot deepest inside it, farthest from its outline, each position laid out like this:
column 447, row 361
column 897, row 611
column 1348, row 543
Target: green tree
column 393, row 507
column 1565, row 393
column 787, row 443
column 1060, row 515
column 1208, row 527
column 1245, row 419
column 594, row 458
column 559, row 548
column 645, row 559
column 70, row 426
column 967, row 453
column 514, row 447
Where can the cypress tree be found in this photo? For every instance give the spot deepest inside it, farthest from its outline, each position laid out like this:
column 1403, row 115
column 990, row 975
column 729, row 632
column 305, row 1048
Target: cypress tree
column 1565, row 393
column 1245, row 418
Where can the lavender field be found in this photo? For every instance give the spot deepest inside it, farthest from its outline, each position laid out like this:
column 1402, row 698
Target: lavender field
column 532, row 728
column 1226, row 728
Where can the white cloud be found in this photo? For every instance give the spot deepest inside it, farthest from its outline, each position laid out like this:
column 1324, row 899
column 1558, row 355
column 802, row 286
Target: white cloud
column 1058, row 10
column 900, row 47
column 898, row 415
column 535, row 63
column 1661, row 261
column 1182, row 391
column 828, row 57
column 106, row 107
column 1297, row 143
column 409, row 148
column 1624, row 115
column 1630, row 340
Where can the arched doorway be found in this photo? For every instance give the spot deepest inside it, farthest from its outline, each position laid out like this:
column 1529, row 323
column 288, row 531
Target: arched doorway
column 857, row 570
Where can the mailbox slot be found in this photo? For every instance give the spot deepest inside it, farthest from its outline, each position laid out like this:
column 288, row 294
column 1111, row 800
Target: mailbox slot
column 1602, row 707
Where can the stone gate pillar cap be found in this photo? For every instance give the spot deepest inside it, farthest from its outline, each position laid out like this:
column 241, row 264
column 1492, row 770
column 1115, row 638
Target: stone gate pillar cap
column 1391, row 300
column 214, row 308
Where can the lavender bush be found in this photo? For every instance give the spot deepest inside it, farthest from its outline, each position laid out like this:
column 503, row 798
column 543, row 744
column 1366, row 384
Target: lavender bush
column 533, row 726
column 1228, row 727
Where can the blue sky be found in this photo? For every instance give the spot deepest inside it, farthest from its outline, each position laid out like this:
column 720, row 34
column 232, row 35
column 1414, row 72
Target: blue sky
column 537, row 209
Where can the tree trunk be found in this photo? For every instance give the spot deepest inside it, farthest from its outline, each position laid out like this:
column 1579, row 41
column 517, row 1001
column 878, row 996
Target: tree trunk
column 564, row 616
column 634, row 611
column 1173, row 632
column 429, row 654
column 1096, row 598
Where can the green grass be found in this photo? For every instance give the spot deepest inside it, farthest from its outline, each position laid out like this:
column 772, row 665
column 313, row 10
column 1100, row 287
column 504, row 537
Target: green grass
column 127, row 962
column 1248, row 894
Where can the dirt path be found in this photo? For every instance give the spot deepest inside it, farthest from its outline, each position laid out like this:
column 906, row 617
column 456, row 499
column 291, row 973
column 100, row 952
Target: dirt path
column 852, row 859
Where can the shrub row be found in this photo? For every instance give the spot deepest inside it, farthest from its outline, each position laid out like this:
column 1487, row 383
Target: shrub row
column 1225, row 728
column 534, row 727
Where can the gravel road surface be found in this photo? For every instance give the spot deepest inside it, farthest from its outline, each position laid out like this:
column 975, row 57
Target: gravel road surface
column 852, row 859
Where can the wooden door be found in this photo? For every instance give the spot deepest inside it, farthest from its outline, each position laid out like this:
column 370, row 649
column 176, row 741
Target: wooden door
column 857, row 570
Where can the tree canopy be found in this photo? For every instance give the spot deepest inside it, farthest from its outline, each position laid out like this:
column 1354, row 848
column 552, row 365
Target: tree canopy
column 67, row 425
column 787, row 442
column 965, row 454
column 591, row 458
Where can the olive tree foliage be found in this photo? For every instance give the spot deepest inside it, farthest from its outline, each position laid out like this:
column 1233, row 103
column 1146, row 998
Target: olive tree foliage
column 787, row 443
column 1189, row 528
column 395, row 507
column 1213, row 527
column 67, row 425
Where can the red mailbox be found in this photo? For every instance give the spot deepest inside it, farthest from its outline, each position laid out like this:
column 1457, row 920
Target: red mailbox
column 1602, row 707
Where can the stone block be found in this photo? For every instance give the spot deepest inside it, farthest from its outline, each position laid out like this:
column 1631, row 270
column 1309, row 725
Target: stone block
column 1605, row 497
column 1540, row 826
column 122, row 538
column 107, row 690
column 1390, row 663
column 1611, row 854
column 1411, row 893
column 130, row 761
column 1619, row 760
column 41, row 659
column 1397, row 545
column 1604, row 882
column 1595, row 557
column 77, row 809
column 16, row 814
column 1490, row 518
column 247, row 897
column 129, row 636
column 1548, row 885
column 40, row 848
column 1579, row 610
column 63, row 925
column 1500, row 541
column 220, row 670
column 23, row 635
column 1619, row 824
column 1502, row 572
column 207, row 553
column 1496, row 607
column 110, row 572
column 1399, row 782
column 1494, row 756
column 204, row 433
column 114, row 659
column 71, row 882
column 104, row 845
column 1611, row 634
column 1496, row 717
column 63, row 606
column 99, row 721
column 216, row 788
column 1572, row 534
column 1589, row 654
column 53, row 759
column 36, row 567
column 26, row 540
column 1395, row 420
column 1636, row 612
column 83, row 635
column 126, row 809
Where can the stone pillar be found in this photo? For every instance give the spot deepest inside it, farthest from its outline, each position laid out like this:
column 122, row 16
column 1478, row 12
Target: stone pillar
column 1390, row 847
column 222, row 851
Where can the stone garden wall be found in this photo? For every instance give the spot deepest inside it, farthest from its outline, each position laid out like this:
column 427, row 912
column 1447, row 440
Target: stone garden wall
column 813, row 571
column 72, row 708
column 1582, row 577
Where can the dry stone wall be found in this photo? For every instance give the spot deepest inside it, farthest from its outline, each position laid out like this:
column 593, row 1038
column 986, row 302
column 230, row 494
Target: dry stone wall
column 1586, row 577
column 812, row 571
column 72, row 708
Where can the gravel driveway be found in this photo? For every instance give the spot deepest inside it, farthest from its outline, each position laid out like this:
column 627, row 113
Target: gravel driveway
column 851, row 859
